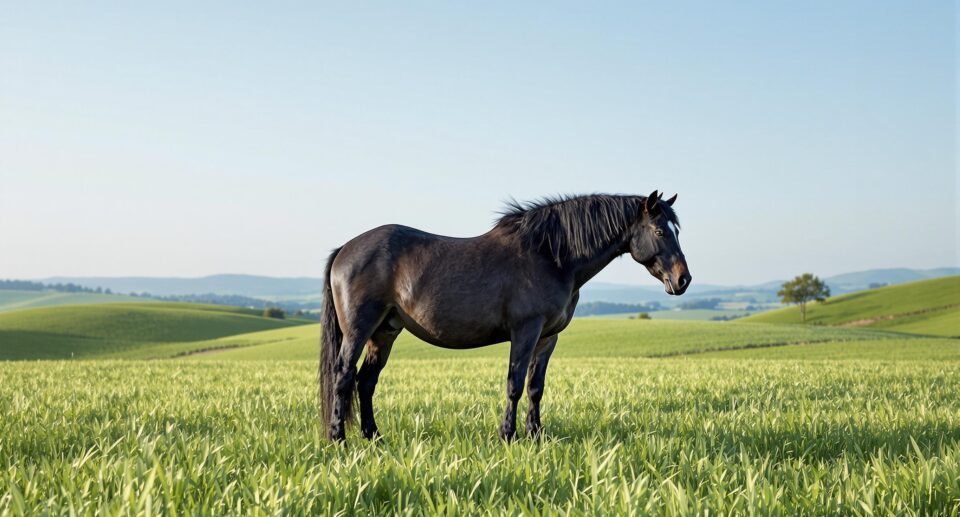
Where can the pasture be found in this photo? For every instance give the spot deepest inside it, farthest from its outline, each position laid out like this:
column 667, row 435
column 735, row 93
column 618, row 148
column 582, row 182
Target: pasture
column 642, row 417
column 665, row 436
column 124, row 329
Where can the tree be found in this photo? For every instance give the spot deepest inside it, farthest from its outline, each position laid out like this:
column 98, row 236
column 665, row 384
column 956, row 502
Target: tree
column 803, row 289
column 273, row 312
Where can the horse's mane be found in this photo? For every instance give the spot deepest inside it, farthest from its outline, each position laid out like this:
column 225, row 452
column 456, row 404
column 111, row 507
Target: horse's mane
column 574, row 227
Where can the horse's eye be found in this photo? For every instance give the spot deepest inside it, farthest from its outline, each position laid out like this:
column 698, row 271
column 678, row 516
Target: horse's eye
column 659, row 232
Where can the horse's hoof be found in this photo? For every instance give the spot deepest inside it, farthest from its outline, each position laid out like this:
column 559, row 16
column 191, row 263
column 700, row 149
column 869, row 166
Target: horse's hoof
column 371, row 434
column 535, row 431
column 337, row 435
column 507, row 435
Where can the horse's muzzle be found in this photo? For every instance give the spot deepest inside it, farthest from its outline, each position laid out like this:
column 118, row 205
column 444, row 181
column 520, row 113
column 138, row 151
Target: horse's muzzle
column 677, row 286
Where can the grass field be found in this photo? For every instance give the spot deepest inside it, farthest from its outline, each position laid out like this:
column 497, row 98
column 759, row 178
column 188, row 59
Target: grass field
column 87, row 331
column 162, row 330
column 926, row 307
column 642, row 417
column 665, row 436
column 17, row 300
column 589, row 337
column 691, row 314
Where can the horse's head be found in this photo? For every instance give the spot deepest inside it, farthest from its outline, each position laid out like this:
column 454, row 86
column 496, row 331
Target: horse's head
column 656, row 245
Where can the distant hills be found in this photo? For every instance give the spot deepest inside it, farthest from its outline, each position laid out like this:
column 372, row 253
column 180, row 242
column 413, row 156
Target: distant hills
column 862, row 279
column 929, row 307
column 760, row 293
column 310, row 288
column 917, row 318
column 246, row 285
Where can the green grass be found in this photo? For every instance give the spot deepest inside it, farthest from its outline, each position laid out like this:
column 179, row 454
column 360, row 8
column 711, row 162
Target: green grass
column 17, row 300
column 587, row 337
column 642, row 417
column 926, row 307
column 159, row 330
column 121, row 329
column 639, row 436
column 923, row 349
column 300, row 334
column 939, row 323
column 691, row 314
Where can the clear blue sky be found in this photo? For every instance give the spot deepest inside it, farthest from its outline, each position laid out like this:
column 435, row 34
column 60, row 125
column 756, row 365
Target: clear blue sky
column 178, row 139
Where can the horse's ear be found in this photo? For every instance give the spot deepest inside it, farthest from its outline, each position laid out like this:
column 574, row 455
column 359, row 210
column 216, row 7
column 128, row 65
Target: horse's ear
column 650, row 205
column 672, row 200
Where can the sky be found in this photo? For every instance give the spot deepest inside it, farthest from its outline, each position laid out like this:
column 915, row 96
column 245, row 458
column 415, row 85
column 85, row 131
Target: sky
column 180, row 139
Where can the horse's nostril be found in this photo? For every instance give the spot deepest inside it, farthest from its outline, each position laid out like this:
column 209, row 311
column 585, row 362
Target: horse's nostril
column 683, row 281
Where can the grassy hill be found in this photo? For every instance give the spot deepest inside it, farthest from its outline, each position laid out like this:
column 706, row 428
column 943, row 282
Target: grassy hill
column 165, row 330
column 89, row 331
column 930, row 307
column 17, row 300
column 585, row 338
column 917, row 349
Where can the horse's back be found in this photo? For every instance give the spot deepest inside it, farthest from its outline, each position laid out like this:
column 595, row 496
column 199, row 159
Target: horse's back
column 376, row 257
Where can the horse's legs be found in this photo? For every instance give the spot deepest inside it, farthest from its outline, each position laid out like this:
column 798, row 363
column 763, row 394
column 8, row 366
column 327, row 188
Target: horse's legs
column 360, row 326
column 523, row 339
column 378, row 351
column 535, row 377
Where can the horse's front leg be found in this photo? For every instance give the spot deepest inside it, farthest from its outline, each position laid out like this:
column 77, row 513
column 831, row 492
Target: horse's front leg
column 535, row 379
column 523, row 340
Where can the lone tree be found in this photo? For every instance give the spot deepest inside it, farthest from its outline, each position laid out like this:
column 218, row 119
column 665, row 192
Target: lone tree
column 803, row 289
column 274, row 312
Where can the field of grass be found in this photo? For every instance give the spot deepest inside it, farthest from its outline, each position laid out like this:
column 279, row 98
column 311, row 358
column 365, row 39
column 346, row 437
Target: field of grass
column 17, row 300
column 922, row 349
column 588, row 337
column 87, row 331
column 929, row 307
column 665, row 436
column 692, row 314
column 642, row 417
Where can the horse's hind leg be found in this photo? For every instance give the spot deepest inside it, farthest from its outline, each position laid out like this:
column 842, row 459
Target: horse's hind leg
column 378, row 351
column 360, row 324
column 535, row 380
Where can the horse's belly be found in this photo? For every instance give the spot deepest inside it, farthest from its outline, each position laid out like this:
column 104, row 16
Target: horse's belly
column 454, row 333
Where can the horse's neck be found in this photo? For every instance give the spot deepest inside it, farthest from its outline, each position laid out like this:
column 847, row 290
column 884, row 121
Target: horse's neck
column 586, row 269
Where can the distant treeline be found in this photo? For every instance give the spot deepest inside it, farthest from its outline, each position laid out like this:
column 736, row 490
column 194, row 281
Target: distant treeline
column 233, row 300
column 709, row 303
column 27, row 285
column 600, row 308
column 701, row 303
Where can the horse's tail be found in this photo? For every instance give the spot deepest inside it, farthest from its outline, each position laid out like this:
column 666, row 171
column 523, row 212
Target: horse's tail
column 330, row 341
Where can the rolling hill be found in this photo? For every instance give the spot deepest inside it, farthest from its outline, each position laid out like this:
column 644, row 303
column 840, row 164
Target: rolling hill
column 585, row 338
column 91, row 331
column 166, row 330
column 930, row 307
column 17, row 300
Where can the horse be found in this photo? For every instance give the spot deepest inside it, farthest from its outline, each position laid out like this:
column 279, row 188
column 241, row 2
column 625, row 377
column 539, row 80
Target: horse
column 520, row 282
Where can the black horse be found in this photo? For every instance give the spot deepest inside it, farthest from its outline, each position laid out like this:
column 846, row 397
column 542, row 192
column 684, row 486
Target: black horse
column 519, row 282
